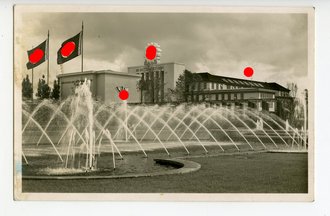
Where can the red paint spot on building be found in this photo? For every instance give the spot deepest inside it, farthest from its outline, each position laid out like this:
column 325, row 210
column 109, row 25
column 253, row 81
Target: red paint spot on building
column 248, row 72
column 36, row 56
column 151, row 52
column 68, row 49
column 123, row 94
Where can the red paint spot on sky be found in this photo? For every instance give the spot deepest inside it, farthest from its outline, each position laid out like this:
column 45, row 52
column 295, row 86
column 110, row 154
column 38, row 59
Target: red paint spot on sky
column 248, row 72
column 68, row 49
column 36, row 56
column 151, row 52
column 123, row 94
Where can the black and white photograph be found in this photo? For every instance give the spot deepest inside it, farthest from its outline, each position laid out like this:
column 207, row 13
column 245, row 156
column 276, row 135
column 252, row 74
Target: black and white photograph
column 163, row 103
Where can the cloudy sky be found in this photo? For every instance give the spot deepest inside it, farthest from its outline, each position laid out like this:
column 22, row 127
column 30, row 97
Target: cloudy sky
column 274, row 45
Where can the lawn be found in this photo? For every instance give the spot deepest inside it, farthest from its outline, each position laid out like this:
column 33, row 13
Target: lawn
column 244, row 173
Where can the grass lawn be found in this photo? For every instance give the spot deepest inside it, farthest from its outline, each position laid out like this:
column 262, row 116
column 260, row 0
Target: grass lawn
column 245, row 173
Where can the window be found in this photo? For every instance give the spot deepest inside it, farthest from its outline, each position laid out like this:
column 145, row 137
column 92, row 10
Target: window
column 205, row 86
column 213, row 87
column 225, row 96
column 271, row 105
column 213, row 97
column 196, row 86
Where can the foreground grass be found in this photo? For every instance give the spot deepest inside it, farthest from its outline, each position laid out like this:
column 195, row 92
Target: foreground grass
column 247, row 173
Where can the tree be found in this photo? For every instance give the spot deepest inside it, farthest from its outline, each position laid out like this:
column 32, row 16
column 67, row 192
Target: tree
column 141, row 86
column 183, row 84
column 150, row 85
column 27, row 88
column 43, row 91
column 294, row 110
column 293, row 89
column 56, row 91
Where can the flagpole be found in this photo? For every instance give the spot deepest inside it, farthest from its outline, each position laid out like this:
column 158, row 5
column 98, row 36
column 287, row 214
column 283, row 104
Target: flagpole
column 82, row 46
column 48, row 58
column 32, row 83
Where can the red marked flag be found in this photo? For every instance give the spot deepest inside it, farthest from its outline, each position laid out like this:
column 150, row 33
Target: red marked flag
column 70, row 49
column 37, row 55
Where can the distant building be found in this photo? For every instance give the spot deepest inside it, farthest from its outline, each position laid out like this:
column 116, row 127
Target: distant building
column 224, row 91
column 103, row 84
column 227, row 91
column 158, row 80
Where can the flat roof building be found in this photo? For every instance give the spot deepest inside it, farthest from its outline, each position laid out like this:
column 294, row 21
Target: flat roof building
column 103, row 84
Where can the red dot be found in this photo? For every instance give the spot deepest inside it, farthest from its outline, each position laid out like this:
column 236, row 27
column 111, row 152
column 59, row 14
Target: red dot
column 151, row 52
column 123, row 94
column 67, row 49
column 36, row 56
column 248, row 72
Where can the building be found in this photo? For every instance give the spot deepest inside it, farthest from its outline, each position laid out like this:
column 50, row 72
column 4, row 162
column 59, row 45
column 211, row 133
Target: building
column 158, row 79
column 227, row 91
column 103, row 84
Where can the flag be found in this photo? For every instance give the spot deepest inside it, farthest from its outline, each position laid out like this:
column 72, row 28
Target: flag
column 69, row 49
column 37, row 55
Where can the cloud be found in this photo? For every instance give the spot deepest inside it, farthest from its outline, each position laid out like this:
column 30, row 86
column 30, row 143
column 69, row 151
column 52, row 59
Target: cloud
column 275, row 45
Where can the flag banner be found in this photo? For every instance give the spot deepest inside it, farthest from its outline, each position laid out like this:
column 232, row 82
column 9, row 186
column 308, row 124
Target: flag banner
column 37, row 55
column 69, row 49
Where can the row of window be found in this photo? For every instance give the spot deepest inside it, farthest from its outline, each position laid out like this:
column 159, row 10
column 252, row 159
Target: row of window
column 216, row 97
column 225, row 96
column 266, row 95
column 157, row 74
column 283, row 94
column 211, row 86
column 142, row 69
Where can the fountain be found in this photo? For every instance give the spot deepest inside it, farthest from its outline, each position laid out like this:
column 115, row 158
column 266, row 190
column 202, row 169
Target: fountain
column 260, row 124
column 78, row 130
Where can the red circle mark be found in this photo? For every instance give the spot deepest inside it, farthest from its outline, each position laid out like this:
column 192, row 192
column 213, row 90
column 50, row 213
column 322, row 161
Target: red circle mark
column 67, row 49
column 248, row 72
column 36, row 56
column 123, row 94
column 151, row 52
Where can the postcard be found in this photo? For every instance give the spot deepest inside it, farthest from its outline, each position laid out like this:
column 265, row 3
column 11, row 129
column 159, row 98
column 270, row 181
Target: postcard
column 163, row 103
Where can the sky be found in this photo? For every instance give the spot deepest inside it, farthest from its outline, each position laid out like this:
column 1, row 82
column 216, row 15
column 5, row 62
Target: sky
column 274, row 45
